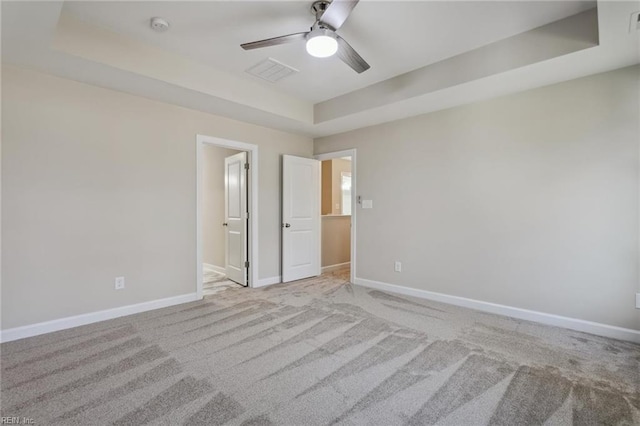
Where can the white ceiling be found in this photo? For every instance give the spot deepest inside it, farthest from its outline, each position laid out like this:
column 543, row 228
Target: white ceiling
column 425, row 55
column 393, row 36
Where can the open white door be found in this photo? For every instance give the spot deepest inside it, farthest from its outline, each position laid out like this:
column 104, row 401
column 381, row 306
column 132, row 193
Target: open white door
column 300, row 218
column 236, row 217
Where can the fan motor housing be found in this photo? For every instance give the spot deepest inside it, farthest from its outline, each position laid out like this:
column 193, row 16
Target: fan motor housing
column 318, row 7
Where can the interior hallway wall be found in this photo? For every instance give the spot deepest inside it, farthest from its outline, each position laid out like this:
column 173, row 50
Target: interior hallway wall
column 336, row 240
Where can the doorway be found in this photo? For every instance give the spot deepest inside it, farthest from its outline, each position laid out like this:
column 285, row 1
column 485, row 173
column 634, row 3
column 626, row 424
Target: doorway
column 224, row 224
column 226, row 215
column 338, row 212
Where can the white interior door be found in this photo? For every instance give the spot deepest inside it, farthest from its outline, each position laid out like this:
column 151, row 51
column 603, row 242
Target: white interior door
column 300, row 218
column 236, row 217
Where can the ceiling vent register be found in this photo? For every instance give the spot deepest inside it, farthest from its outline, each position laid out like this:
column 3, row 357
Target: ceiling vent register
column 271, row 70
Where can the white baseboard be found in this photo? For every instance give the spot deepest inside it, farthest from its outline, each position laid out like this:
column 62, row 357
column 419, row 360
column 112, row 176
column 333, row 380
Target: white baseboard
column 218, row 269
column 336, row 267
column 524, row 314
column 268, row 281
column 84, row 319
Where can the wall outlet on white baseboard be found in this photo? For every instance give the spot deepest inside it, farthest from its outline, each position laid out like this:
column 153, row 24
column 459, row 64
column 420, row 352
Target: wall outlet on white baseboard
column 397, row 266
column 119, row 283
column 637, row 300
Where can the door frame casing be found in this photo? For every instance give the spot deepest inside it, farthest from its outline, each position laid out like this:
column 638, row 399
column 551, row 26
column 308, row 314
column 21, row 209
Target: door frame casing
column 354, row 182
column 252, row 204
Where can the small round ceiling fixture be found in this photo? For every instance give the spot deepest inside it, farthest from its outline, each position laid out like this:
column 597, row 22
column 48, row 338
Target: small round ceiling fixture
column 159, row 25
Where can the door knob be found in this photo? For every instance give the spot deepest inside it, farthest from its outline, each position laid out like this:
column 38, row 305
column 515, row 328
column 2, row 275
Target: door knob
column 225, row 224
column 286, row 225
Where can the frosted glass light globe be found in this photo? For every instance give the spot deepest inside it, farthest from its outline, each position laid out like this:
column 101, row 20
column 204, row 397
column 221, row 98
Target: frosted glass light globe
column 322, row 46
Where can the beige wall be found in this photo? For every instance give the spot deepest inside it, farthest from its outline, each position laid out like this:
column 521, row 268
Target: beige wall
column 336, row 240
column 213, row 251
column 98, row 184
column 529, row 200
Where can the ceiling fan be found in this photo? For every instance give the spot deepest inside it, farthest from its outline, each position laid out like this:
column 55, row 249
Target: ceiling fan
column 322, row 40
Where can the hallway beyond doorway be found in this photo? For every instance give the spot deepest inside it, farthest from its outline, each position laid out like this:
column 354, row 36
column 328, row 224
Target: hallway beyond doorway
column 214, row 282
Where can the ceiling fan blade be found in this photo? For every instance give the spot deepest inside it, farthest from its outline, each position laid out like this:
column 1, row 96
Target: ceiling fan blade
column 338, row 12
column 350, row 57
column 291, row 38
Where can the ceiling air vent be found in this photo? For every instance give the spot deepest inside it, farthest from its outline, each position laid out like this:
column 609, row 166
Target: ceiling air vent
column 271, row 70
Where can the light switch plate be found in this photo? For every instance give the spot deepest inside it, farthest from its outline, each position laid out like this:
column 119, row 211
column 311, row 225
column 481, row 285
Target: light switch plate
column 367, row 204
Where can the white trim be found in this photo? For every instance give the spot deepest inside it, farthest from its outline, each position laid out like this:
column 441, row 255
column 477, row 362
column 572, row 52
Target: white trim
column 218, row 269
column 336, row 267
column 90, row 318
column 354, row 191
column 252, row 151
column 524, row 314
column 268, row 281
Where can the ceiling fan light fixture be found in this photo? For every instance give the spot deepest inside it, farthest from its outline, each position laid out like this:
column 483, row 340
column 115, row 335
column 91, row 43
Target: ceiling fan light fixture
column 322, row 43
column 322, row 40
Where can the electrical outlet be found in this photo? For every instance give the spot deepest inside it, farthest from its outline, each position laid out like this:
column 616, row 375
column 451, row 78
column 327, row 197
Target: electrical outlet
column 119, row 283
column 398, row 266
column 637, row 300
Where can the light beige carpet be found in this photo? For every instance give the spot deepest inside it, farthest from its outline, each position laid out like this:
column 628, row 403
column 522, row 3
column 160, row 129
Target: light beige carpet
column 320, row 352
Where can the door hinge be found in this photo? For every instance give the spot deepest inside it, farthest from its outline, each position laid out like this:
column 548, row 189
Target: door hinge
column 246, row 166
column 246, row 264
